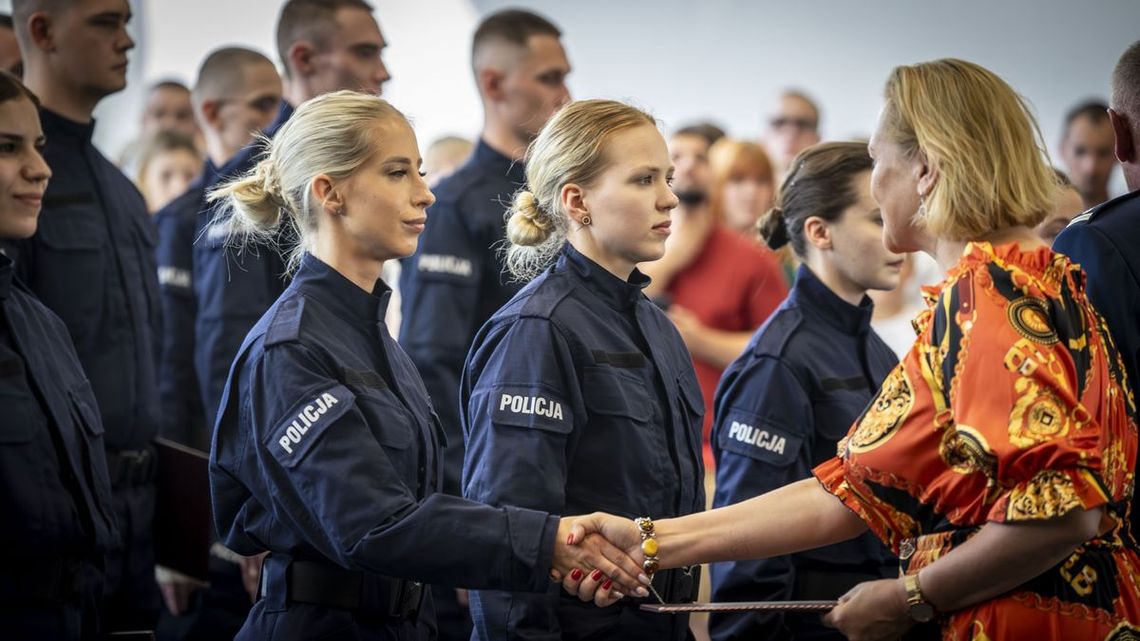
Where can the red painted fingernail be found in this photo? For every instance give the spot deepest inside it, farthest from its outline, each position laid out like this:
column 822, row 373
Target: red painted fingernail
column 576, row 574
column 597, row 575
column 608, row 584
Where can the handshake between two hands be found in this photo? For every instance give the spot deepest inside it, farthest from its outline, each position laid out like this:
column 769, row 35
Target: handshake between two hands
column 598, row 557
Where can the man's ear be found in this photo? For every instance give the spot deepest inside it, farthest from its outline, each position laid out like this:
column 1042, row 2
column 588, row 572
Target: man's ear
column 41, row 32
column 1124, row 145
column 300, row 58
column 491, row 84
column 208, row 112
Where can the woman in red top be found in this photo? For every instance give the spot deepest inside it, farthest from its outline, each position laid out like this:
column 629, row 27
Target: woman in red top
column 998, row 458
column 717, row 286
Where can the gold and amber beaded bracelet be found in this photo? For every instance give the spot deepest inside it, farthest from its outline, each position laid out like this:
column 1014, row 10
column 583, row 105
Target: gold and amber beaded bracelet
column 649, row 548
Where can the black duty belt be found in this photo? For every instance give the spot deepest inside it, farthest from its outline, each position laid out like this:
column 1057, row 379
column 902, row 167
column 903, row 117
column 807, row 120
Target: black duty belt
column 53, row 580
column 128, row 468
column 335, row 587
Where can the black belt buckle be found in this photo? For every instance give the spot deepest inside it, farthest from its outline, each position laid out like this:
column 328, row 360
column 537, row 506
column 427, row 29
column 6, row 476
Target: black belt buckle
column 406, row 599
column 130, row 467
column 686, row 584
column 677, row 586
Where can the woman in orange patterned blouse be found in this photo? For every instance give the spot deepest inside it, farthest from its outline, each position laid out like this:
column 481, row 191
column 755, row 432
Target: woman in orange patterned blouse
column 998, row 459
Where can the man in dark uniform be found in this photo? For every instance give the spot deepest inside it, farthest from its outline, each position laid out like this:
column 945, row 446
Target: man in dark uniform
column 325, row 45
column 92, row 263
column 1105, row 240
column 236, row 94
column 455, row 281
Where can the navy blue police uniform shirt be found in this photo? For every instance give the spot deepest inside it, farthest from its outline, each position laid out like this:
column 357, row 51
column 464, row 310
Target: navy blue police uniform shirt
column 56, row 495
column 92, row 262
column 1105, row 242
column 579, row 395
column 455, row 282
column 182, row 417
column 327, row 449
column 232, row 289
column 780, row 410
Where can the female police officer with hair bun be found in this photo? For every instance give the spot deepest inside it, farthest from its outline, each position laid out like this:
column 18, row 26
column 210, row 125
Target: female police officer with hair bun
column 326, row 448
column 579, row 394
column 55, row 494
column 805, row 376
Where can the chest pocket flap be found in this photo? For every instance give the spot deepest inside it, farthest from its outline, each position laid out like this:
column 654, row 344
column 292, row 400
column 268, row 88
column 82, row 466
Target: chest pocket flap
column 758, row 438
column 306, row 422
column 613, row 392
column 530, row 406
column 76, row 227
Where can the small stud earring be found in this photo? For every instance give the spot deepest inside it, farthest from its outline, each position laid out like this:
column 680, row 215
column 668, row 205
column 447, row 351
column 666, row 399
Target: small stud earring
column 586, row 220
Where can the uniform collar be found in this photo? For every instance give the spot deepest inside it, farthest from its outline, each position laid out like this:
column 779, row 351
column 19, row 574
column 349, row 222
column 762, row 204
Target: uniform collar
column 618, row 293
column 810, row 293
column 485, row 156
column 317, row 279
column 6, row 274
column 56, row 126
column 284, row 113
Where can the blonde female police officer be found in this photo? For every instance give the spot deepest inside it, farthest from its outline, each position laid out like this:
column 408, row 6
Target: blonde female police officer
column 326, row 449
column 579, row 394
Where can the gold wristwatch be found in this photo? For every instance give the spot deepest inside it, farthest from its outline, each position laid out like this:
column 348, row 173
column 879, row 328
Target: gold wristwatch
column 917, row 606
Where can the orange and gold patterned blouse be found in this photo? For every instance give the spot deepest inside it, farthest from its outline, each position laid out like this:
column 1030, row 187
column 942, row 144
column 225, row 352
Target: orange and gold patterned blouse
column 1011, row 406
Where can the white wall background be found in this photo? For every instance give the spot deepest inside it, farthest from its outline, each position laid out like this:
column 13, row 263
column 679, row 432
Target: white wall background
column 720, row 59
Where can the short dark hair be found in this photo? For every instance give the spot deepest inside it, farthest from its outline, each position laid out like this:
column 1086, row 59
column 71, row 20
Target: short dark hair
column 309, row 19
column 223, row 69
column 792, row 92
column 23, row 9
column 820, row 183
column 12, row 88
column 515, row 26
column 167, row 84
column 1126, row 85
column 1094, row 109
column 710, row 132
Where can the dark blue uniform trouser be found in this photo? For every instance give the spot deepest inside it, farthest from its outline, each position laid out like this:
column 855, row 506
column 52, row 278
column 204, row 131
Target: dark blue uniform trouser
column 452, row 618
column 132, row 599
column 31, row 610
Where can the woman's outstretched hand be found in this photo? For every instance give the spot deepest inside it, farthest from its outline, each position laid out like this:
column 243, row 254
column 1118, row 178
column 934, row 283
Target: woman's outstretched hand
column 620, row 536
column 872, row 611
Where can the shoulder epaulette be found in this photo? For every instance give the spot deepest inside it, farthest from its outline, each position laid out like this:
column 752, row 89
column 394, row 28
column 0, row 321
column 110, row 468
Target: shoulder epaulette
column 285, row 326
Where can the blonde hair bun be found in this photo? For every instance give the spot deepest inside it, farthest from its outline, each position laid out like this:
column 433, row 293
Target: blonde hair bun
column 528, row 226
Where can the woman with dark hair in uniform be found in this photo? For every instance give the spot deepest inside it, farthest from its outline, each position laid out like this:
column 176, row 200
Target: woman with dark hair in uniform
column 326, row 448
column 579, row 394
column 805, row 376
column 998, row 459
column 55, row 494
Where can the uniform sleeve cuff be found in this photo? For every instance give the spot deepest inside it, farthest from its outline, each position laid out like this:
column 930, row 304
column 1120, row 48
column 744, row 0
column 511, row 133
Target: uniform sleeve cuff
column 532, row 540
